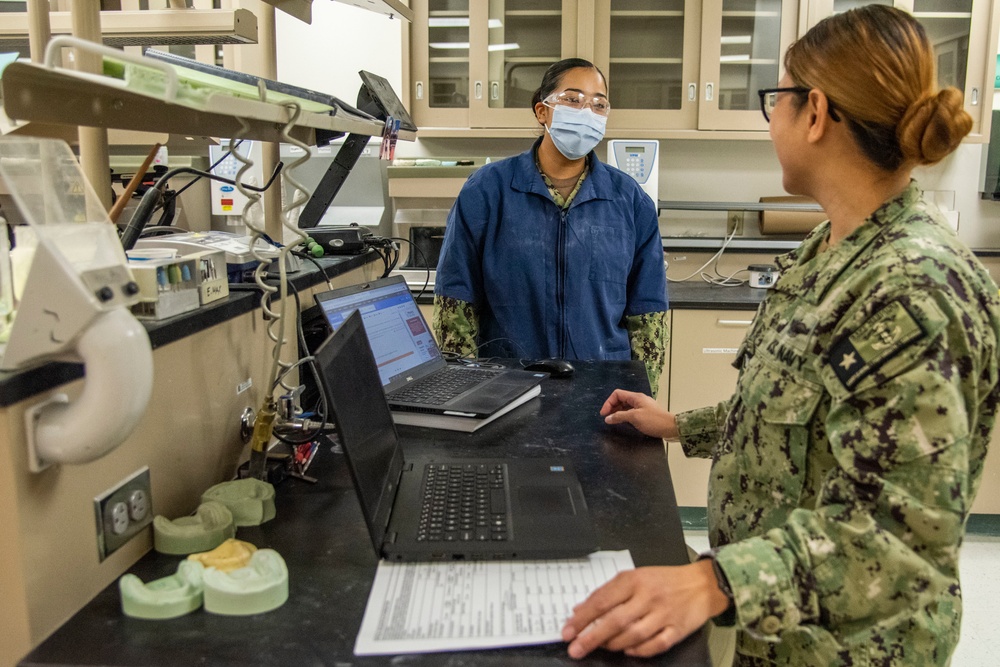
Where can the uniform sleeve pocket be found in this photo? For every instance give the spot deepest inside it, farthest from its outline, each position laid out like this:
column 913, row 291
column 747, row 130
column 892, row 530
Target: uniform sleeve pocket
column 782, row 405
column 610, row 254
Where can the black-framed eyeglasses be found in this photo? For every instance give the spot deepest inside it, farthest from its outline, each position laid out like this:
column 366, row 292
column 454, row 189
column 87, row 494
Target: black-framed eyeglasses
column 769, row 98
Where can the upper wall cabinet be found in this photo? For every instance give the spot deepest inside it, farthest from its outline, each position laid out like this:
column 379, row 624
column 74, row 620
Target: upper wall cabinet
column 686, row 65
column 743, row 42
column 673, row 66
column 649, row 50
column 963, row 33
column 476, row 64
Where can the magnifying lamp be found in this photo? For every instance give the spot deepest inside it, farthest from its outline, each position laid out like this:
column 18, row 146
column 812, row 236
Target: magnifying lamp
column 74, row 307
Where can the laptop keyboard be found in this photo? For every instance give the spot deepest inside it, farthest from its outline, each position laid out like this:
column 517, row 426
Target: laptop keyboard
column 464, row 503
column 439, row 388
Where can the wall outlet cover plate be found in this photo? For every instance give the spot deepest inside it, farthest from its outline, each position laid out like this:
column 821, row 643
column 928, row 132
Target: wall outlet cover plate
column 123, row 511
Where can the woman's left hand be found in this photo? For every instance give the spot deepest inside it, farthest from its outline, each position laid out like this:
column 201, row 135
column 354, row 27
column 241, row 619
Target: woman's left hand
column 645, row 611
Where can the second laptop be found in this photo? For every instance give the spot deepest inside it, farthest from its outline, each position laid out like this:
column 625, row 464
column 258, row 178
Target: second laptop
column 414, row 374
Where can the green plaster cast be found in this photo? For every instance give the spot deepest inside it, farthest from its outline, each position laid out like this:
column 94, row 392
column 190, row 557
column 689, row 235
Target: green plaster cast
column 255, row 589
column 250, row 500
column 211, row 525
column 169, row 597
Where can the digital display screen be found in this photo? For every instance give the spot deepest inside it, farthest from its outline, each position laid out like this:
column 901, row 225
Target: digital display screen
column 635, row 149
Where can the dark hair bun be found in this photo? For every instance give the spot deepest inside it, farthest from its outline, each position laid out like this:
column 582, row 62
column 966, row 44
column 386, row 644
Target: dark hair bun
column 933, row 126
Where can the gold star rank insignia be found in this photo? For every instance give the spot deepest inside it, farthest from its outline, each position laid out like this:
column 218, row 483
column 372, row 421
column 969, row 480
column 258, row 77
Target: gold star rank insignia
column 881, row 337
column 848, row 360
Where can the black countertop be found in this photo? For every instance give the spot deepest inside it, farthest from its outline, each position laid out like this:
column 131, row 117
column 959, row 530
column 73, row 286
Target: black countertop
column 18, row 385
column 320, row 532
column 689, row 295
column 699, row 295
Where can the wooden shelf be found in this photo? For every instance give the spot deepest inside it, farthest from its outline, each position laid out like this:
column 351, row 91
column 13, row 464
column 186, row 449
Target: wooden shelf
column 302, row 9
column 148, row 27
column 55, row 96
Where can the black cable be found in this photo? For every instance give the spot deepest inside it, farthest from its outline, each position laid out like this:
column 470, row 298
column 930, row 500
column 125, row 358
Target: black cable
column 384, row 250
column 154, row 196
column 423, row 258
column 165, row 230
column 160, row 204
column 211, row 167
column 322, row 269
column 204, row 174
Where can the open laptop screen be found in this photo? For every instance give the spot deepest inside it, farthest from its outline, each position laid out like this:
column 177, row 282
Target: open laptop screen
column 397, row 332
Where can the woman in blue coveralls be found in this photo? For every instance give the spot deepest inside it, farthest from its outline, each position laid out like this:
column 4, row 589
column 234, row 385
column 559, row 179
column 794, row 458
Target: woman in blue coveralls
column 552, row 253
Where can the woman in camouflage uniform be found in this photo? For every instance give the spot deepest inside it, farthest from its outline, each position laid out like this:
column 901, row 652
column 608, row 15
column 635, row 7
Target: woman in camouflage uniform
column 846, row 462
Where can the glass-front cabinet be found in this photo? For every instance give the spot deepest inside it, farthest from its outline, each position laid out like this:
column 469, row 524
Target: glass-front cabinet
column 744, row 42
column 440, row 86
column 649, row 51
column 523, row 37
column 960, row 33
column 476, row 64
column 672, row 65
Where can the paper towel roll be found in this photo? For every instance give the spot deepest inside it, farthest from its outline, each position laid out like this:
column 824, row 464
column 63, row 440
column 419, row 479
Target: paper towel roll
column 789, row 222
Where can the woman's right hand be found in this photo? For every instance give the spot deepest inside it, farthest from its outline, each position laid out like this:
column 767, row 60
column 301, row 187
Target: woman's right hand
column 642, row 412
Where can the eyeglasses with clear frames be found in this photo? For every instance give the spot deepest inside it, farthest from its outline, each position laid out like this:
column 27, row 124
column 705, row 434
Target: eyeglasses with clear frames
column 769, row 99
column 577, row 100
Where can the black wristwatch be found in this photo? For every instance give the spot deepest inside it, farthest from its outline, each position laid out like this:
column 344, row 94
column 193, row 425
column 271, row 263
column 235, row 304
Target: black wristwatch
column 728, row 617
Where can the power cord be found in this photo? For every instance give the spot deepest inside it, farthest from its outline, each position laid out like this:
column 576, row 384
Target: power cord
column 385, row 248
column 320, row 267
column 252, row 217
column 718, row 278
column 423, row 259
column 322, row 407
column 154, row 197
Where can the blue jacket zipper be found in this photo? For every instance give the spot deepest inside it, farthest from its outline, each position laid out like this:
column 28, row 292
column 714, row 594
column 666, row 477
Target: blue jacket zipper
column 561, row 280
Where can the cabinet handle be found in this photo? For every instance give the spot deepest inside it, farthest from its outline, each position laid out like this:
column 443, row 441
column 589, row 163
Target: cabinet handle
column 692, row 92
column 734, row 323
column 419, row 86
column 975, row 96
column 709, row 92
column 479, row 90
column 494, row 90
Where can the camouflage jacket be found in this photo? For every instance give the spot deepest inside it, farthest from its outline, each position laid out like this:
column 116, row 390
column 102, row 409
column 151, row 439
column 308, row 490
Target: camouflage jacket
column 846, row 462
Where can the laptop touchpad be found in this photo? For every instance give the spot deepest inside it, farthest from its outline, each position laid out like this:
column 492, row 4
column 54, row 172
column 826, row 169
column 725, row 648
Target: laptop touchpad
column 545, row 500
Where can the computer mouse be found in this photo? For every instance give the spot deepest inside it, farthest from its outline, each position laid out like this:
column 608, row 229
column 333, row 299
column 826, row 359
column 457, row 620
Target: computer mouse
column 557, row 368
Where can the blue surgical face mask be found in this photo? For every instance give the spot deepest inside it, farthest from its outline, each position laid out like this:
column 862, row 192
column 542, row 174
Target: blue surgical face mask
column 576, row 132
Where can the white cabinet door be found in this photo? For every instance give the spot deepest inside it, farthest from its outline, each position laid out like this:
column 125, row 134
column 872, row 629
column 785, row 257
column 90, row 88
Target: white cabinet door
column 702, row 349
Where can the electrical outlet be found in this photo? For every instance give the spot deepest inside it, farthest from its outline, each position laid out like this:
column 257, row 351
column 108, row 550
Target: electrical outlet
column 734, row 221
column 123, row 511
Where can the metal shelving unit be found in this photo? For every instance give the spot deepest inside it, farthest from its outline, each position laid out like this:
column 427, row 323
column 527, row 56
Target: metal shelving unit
column 59, row 96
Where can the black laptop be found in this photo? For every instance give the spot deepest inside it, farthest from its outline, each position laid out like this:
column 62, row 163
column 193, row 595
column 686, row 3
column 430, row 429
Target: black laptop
column 523, row 508
column 414, row 374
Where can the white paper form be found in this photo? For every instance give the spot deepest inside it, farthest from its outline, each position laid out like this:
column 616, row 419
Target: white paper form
column 425, row 607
